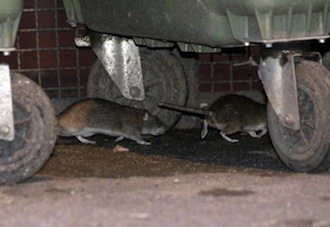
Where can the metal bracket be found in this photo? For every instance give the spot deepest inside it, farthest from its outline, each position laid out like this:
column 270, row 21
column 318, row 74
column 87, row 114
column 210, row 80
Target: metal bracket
column 7, row 130
column 121, row 59
column 277, row 73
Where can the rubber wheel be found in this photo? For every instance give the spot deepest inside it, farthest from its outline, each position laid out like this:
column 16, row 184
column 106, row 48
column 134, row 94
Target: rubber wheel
column 163, row 78
column 35, row 134
column 307, row 149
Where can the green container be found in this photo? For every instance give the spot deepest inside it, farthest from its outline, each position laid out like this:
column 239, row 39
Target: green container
column 10, row 14
column 73, row 11
column 216, row 23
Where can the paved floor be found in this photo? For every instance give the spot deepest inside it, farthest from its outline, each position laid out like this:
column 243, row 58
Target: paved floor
column 177, row 181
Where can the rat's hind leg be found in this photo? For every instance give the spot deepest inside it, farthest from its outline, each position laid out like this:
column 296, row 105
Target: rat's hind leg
column 227, row 130
column 263, row 132
column 84, row 140
column 228, row 138
column 255, row 135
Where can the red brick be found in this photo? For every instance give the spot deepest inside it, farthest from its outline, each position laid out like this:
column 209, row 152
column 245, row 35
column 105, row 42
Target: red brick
column 257, row 86
column 241, row 72
column 254, row 72
column 52, row 94
column 205, row 87
column 240, row 58
column 48, row 59
column 66, row 38
column 29, row 4
column 47, row 39
column 49, row 79
column 83, row 92
column 220, row 58
column 59, row 4
column 205, row 72
column 69, row 78
column 68, row 58
column 221, row 72
column 241, row 86
column 27, row 40
column 204, row 57
column 224, row 87
column 62, row 19
column 27, row 21
column 254, row 50
column 86, row 57
column 29, row 60
column 46, row 19
column 69, row 93
column 45, row 4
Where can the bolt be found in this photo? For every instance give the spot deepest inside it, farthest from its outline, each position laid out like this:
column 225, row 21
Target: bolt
column 134, row 91
column 287, row 118
column 288, row 121
column 321, row 40
column 6, row 53
column 246, row 44
column 72, row 24
column 268, row 45
column 4, row 130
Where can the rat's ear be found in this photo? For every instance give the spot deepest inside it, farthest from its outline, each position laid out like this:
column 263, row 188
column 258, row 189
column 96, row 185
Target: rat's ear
column 145, row 117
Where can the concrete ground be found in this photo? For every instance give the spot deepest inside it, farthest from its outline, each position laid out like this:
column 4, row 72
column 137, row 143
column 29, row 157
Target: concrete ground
column 179, row 180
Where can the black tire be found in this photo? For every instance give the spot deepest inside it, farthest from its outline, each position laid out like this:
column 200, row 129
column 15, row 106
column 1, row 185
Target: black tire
column 35, row 134
column 163, row 78
column 190, row 66
column 307, row 149
column 326, row 60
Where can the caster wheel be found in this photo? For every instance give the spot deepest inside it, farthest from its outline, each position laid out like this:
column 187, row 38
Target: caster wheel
column 35, row 133
column 306, row 149
column 164, row 81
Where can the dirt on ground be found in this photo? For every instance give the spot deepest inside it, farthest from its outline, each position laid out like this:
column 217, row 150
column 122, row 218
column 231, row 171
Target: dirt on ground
column 177, row 152
column 180, row 180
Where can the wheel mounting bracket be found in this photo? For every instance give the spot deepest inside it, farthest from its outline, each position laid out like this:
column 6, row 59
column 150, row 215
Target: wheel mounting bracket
column 7, row 129
column 277, row 73
column 121, row 59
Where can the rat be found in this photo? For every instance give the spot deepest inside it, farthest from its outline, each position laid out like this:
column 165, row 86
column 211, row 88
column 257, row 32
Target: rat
column 230, row 114
column 98, row 116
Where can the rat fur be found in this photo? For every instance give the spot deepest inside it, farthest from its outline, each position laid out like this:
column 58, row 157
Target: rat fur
column 97, row 116
column 230, row 114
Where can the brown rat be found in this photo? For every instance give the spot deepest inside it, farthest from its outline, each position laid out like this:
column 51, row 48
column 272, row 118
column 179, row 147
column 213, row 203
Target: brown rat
column 230, row 114
column 97, row 116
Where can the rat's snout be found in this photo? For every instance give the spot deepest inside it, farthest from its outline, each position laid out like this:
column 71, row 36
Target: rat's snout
column 161, row 127
column 154, row 127
column 160, row 130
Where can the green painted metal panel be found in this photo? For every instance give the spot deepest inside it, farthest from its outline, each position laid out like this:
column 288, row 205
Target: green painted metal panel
column 10, row 14
column 73, row 11
column 216, row 23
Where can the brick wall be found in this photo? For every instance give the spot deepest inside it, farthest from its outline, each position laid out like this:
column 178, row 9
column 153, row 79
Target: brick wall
column 46, row 53
column 218, row 73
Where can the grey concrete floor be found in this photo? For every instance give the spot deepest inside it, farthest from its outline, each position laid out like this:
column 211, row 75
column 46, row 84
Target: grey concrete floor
column 177, row 181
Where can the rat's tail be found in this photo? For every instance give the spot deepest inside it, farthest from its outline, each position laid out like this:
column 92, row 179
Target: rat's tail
column 186, row 109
